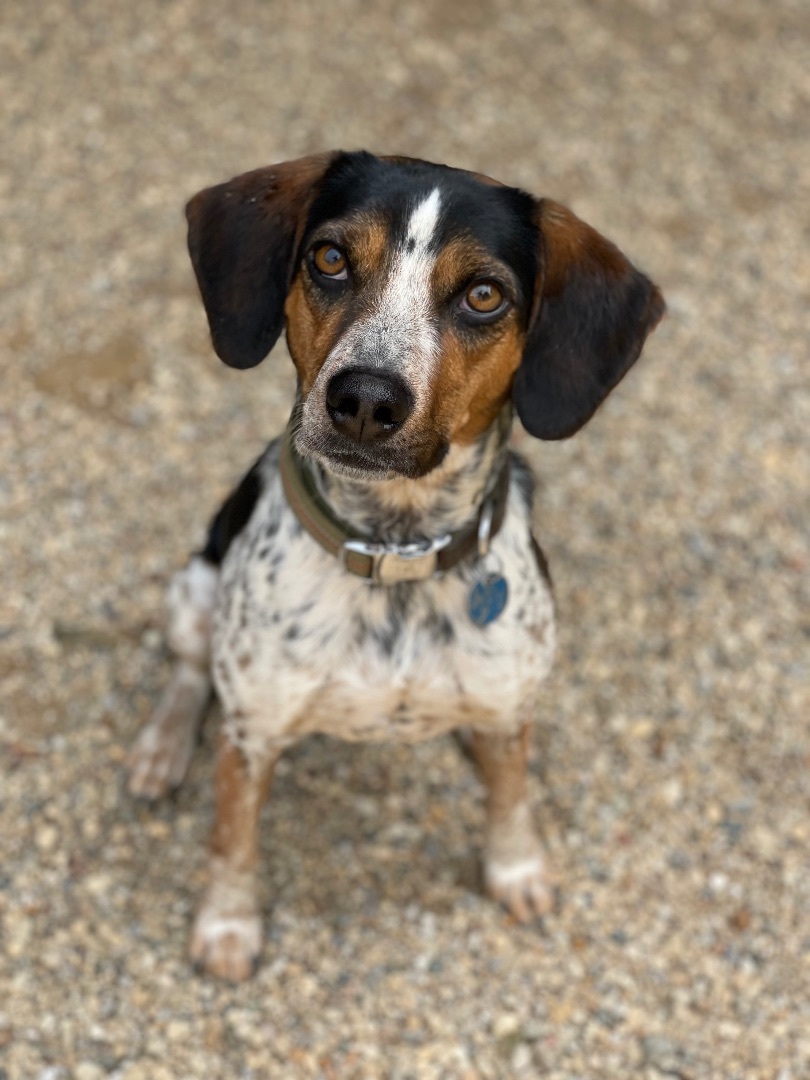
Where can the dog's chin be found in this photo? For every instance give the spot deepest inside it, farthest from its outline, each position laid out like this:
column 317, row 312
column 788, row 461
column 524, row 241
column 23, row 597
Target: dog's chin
column 360, row 463
column 356, row 467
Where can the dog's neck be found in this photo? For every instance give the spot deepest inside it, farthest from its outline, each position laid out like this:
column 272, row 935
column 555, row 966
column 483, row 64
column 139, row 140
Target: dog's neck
column 401, row 509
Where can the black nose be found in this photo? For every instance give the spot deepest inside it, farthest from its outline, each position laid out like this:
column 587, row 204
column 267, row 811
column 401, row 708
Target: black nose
column 367, row 407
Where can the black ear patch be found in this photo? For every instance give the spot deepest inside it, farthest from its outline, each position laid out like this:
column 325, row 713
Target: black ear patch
column 242, row 238
column 592, row 315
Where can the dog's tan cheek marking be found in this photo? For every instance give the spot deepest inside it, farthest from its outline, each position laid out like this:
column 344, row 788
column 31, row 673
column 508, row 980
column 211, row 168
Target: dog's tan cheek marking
column 473, row 384
column 490, row 374
column 311, row 332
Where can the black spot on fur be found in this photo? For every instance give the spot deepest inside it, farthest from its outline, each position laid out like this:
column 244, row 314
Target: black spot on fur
column 386, row 636
column 524, row 479
column 451, row 486
column 360, row 629
column 399, row 602
column 439, row 627
column 233, row 516
column 542, row 563
column 478, row 456
column 303, row 609
column 223, row 672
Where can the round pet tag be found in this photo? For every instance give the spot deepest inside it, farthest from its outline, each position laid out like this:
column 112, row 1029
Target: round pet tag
column 487, row 599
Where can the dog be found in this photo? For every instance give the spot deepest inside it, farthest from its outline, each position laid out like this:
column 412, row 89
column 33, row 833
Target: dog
column 374, row 575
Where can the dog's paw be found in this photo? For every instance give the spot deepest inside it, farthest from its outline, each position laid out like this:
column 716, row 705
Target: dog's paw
column 226, row 946
column 158, row 761
column 524, row 887
column 160, row 757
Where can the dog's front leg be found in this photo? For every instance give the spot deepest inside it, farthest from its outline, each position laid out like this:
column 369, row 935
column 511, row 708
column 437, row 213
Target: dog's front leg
column 160, row 757
column 227, row 935
column 515, row 869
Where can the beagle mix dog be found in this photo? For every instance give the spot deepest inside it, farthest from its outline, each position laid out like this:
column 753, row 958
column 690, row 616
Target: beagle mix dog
column 374, row 575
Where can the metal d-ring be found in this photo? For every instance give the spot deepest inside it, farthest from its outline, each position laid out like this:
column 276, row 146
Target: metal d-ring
column 485, row 528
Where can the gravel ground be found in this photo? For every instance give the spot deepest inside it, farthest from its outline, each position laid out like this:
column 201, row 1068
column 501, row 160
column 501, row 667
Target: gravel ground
column 672, row 754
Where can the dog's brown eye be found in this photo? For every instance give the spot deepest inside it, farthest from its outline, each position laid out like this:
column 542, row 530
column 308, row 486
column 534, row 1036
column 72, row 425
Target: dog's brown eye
column 329, row 261
column 485, row 297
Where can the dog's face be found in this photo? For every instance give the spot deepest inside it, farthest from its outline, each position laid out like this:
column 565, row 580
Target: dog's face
column 417, row 298
column 407, row 315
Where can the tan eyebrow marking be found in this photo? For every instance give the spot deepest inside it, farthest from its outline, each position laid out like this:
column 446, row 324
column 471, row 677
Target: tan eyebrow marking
column 363, row 236
column 368, row 244
column 462, row 259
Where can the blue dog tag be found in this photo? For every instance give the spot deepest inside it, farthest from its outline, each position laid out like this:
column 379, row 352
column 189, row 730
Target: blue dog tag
column 487, row 599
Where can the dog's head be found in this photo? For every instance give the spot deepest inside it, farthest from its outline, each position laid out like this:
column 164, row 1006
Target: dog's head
column 417, row 299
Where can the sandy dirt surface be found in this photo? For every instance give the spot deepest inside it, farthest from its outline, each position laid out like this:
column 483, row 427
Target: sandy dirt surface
column 671, row 769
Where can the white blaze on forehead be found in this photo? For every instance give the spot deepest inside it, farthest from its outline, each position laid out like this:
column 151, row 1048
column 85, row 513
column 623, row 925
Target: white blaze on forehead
column 424, row 220
column 403, row 323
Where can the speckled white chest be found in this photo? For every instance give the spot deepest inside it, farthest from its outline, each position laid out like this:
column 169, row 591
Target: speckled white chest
column 302, row 646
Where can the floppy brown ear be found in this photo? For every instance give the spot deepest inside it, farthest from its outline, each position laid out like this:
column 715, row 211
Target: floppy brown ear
column 592, row 315
column 242, row 238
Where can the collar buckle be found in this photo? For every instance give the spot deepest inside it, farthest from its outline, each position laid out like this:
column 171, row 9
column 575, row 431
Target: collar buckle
column 393, row 563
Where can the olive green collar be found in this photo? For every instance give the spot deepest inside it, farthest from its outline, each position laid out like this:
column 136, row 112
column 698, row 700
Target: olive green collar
column 387, row 563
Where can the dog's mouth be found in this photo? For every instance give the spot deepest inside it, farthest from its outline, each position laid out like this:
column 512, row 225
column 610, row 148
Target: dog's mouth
column 346, row 458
